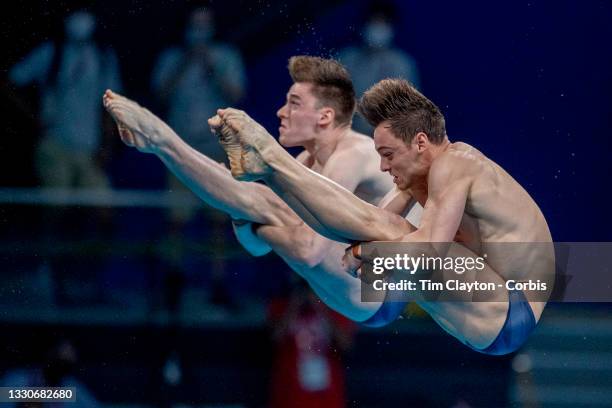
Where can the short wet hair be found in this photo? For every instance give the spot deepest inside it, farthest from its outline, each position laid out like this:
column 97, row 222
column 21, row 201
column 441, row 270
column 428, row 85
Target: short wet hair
column 331, row 84
column 406, row 109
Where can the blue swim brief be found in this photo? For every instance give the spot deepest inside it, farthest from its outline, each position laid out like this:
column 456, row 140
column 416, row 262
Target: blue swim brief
column 519, row 324
column 386, row 314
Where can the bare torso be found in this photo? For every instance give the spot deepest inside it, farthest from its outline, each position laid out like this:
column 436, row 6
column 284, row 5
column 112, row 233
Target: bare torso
column 469, row 196
column 328, row 278
column 374, row 184
column 498, row 210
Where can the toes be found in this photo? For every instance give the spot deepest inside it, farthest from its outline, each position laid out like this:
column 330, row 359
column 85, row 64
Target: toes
column 115, row 97
column 228, row 112
column 112, row 99
column 110, row 95
column 215, row 121
column 235, row 119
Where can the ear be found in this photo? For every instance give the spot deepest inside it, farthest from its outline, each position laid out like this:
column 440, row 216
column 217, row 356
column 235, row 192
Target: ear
column 421, row 141
column 326, row 116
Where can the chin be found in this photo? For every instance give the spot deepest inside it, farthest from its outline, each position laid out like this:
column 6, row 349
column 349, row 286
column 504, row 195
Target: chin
column 286, row 142
column 403, row 186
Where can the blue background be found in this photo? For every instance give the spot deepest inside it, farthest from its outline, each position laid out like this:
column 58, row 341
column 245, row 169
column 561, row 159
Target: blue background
column 528, row 83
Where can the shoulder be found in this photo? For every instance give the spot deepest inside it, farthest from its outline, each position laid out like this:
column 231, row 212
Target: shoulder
column 459, row 161
column 357, row 155
column 359, row 141
column 356, row 146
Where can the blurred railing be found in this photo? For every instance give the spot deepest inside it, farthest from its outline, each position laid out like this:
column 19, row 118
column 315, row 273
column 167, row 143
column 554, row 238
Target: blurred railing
column 109, row 256
column 97, row 198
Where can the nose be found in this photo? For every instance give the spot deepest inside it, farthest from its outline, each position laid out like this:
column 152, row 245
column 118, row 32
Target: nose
column 384, row 165
column 282, row 112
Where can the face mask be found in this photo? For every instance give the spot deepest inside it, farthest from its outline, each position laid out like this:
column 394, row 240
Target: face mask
column 378, row 34
column 80, row 27
column 198, row 35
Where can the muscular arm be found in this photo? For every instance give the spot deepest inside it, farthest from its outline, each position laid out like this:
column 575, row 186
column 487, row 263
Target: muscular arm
column 450, row 180
column 398, row 202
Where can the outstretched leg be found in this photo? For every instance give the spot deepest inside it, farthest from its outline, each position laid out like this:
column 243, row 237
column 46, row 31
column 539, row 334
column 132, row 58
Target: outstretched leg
column 338, row 213
column 211, row 181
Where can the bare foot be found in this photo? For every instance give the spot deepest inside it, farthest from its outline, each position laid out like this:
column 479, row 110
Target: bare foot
column 138, row 127
column 240, row 131
column 233, row 128
column 230, row 143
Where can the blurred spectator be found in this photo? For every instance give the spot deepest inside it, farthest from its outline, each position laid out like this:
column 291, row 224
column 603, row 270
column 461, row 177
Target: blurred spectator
column 57, row 370
column 310, row 340
column 377, row 58
column 71, row 74
column 194, row 80
column 191, row 82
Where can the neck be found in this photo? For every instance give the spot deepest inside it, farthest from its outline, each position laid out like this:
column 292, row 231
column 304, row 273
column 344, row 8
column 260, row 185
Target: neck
column 439, row 149
column 324, row 144
column 419, row 188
